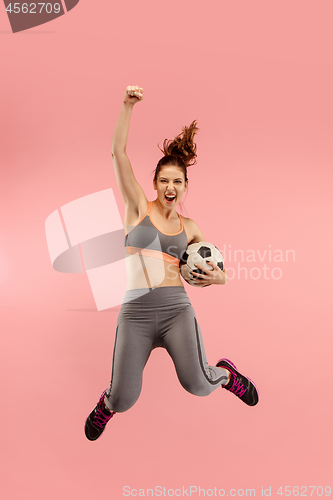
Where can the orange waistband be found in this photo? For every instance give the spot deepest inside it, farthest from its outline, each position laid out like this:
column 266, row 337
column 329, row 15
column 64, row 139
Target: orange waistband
column 146, row 252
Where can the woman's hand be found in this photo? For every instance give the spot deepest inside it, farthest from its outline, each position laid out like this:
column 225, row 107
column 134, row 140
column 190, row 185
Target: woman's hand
column 133, row 94
column 214, row 276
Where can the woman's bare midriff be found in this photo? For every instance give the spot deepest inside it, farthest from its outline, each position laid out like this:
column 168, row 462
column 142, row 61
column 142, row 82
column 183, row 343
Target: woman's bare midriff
column 149, row 272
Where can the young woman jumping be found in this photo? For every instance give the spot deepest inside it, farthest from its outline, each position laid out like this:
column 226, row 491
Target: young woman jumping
column 156, row 311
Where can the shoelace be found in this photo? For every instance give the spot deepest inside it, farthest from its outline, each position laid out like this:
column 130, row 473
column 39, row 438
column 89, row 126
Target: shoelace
column 101, row 419
column 237, row 387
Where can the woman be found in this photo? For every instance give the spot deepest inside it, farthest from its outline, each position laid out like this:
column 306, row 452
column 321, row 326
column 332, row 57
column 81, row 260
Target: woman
column 156, row 311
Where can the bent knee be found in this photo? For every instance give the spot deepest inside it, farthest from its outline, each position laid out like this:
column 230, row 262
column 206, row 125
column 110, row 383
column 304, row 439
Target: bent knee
column 120, row 404
column 197, row 389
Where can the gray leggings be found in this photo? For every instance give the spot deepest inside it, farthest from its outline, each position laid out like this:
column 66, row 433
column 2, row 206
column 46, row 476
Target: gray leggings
column 163, row 317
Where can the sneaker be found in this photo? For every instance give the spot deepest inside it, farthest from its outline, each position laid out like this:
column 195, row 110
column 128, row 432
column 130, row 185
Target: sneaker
column 97, row 420
column 240, row 385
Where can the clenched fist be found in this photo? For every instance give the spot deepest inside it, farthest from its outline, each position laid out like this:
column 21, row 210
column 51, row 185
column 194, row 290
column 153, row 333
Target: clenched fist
column 133, row 94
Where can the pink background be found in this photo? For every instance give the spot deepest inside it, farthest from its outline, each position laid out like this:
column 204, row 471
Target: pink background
column 257, row 76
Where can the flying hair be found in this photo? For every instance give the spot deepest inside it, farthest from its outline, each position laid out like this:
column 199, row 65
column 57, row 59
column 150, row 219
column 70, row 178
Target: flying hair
column 181, row 151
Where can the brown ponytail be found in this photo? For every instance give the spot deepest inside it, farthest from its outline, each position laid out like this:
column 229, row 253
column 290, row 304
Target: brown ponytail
column 181, row 152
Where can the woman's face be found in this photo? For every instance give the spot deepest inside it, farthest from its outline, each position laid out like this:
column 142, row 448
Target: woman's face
column 170, row 185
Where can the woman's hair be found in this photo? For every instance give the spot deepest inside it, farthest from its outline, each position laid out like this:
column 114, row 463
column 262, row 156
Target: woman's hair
column 181, row 152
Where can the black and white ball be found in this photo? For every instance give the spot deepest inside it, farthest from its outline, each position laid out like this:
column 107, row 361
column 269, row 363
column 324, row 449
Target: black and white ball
column 199, row 253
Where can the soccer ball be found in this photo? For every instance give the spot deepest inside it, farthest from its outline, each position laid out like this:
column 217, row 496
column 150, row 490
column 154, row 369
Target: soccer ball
column 199, row 253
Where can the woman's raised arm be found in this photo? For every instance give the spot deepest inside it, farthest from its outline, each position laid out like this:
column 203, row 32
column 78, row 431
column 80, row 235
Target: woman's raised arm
column 130, row 189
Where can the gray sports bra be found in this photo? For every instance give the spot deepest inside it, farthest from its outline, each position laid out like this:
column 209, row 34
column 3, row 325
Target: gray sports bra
column 146, row 239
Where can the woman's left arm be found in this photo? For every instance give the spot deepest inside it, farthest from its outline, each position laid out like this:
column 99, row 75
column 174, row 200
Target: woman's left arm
column 212, row 277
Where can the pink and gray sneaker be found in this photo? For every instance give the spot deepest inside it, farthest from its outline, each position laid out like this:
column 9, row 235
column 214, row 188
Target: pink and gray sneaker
column 240, row 385
column 97, row 420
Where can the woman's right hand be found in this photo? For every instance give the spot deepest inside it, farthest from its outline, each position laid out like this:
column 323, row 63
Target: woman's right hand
column 133, row 94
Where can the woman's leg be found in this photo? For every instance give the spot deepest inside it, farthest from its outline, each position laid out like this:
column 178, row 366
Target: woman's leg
column 184, row 343
column 132, row 347
column 133, row 343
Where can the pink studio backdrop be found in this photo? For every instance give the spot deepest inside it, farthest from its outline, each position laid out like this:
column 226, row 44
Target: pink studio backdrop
column 257, row 76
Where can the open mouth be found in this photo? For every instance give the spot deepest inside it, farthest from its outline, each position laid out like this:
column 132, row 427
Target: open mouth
column 170, row 198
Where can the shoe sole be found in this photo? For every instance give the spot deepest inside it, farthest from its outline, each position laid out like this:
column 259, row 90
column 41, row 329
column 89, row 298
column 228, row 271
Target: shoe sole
column 89, row 439
column 232, row 364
